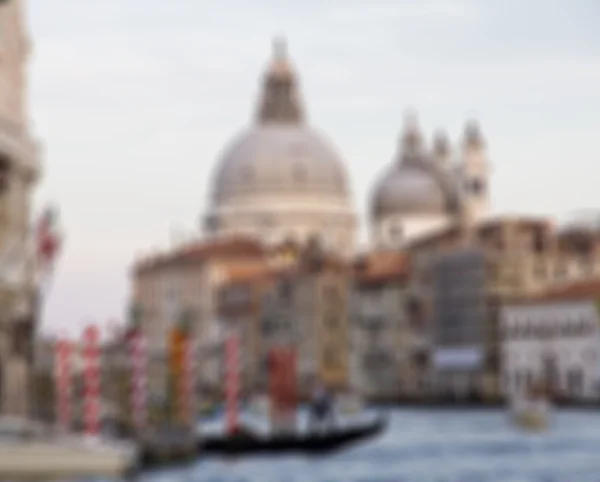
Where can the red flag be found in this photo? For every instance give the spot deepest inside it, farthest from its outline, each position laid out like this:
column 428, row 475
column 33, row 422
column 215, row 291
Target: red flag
column 48, row 239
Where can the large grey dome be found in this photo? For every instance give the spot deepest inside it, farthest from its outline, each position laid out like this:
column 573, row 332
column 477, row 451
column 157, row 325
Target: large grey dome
column 414, row 184
column 279, row 153
column 294, row 160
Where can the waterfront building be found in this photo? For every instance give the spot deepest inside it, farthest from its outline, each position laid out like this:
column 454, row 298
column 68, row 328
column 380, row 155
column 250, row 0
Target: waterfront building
column 554, row 339
column 462, row 328
column 239, row 311
column 388, row 355
column 521, row 256
column 308, row 308
column 185, row 281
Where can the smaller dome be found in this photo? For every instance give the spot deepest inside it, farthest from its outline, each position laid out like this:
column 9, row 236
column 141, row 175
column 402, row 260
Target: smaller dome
column 408, row 190
column 414, row 184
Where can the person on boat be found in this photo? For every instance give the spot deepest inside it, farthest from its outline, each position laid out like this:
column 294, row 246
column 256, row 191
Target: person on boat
column 321, row 408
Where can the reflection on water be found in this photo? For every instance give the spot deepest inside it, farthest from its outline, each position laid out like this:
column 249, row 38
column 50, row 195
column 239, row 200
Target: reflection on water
column 429, row 446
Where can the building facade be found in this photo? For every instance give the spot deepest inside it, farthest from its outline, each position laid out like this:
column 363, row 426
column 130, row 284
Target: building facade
column 379, row 326
column 554, row 340
column 19, row 173
column 462, row 327
column 240, row 309
column 308, row 309
column 187, row 280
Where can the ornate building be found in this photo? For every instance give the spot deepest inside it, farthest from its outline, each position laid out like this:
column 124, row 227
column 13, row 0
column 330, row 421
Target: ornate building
column 19, row 171
column 424, row 191
column 281, row 178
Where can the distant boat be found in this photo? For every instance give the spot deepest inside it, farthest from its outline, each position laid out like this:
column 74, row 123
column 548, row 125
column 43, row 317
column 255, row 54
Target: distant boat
column 250, row 443
column 531, row 411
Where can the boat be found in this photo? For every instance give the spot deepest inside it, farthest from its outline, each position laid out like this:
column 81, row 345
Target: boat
column 30, row 451
column 248, row 442
column 531, row 411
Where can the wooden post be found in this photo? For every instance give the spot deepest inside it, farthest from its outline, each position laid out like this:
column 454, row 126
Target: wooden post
column 92, row 380
column 232, row 386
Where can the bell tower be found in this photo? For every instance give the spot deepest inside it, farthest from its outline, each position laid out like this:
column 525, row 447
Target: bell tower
column 19, row 172
column 474, row 174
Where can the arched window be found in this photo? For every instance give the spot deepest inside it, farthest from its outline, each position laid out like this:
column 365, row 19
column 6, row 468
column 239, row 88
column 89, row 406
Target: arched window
column 5, row 168
column 396, row 233
column 583, row 327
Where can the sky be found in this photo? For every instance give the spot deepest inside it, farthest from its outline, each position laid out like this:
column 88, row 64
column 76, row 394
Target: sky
column 134, row 101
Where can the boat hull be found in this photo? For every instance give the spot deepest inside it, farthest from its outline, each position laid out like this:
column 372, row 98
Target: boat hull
column 531, row 420
column 531, row 415
column 310, row 443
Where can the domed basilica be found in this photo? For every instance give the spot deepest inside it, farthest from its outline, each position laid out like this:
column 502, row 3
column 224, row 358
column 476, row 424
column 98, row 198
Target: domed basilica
column 281, row 179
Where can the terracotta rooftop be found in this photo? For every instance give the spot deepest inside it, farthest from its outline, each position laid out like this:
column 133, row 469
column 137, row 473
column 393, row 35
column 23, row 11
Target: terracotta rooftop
column 452, row 230
column 248, row 274
column 574, row 291
column 382, row 267
column 582, row 290
column 201, row 251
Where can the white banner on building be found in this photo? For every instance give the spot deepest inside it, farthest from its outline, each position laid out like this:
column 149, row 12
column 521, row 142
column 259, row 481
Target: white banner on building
column 458, row 358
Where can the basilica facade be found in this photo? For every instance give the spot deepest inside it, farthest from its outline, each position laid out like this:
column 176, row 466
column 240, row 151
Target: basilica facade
column 282, row 179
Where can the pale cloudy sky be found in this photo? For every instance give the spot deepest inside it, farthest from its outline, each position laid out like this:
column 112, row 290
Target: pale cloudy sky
column 135, row 99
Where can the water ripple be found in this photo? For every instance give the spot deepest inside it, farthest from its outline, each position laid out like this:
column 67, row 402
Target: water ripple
column 428, row 446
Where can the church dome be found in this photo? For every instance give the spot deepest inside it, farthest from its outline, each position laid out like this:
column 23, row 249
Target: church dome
column 279, row 154
column 414, row 184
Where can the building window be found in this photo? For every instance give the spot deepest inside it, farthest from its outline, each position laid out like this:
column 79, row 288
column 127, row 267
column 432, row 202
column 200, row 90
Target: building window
column 285, row 292
column 5, row 171
column 539, row 242
column 331, row 322
column 582, row 328
column 396, row 233
column 575, row 382
column 476, row 186
column 331, row 358
column 560, row 271
column 299, row 173
column 331, row 294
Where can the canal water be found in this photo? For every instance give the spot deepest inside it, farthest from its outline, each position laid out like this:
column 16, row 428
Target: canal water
column 431, row 446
